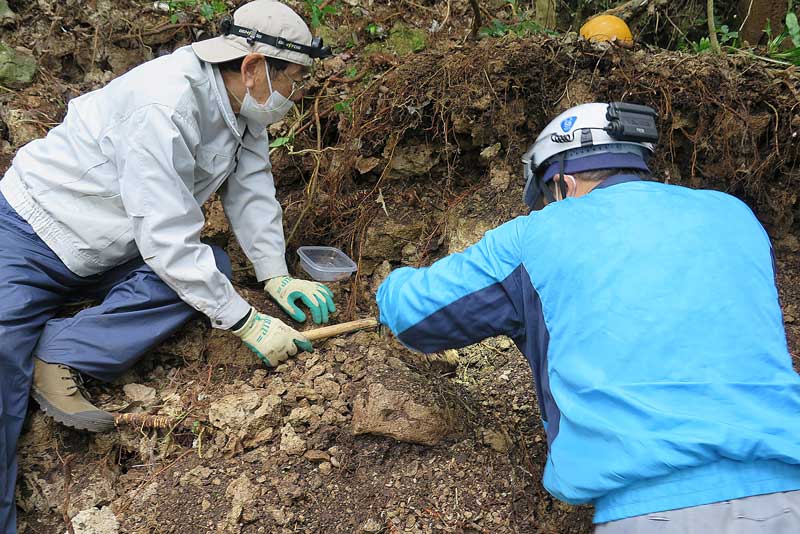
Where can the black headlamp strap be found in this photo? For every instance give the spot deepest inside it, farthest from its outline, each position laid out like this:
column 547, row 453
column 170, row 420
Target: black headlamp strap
column 562, row 184
column 316, row 50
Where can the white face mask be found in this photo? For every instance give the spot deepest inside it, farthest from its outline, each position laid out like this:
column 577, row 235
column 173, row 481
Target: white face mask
column 274, row 109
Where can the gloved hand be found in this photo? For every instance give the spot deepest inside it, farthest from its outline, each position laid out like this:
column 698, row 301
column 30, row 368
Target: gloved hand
column 286, row 290
column 271, row 339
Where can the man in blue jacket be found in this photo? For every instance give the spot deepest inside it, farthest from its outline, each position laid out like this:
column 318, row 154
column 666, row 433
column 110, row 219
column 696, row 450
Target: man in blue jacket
column 650, row 318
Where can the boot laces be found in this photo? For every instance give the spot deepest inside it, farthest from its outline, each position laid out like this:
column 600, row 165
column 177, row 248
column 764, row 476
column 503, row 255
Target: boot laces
column 77, row 383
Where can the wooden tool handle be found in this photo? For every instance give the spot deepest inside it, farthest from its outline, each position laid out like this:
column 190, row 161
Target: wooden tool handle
column 339, row 329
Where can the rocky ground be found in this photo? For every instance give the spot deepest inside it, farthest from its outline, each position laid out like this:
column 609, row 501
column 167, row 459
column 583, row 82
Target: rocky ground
column 408, row 146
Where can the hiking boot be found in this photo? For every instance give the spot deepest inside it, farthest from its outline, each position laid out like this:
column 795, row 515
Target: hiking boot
column 60, row 393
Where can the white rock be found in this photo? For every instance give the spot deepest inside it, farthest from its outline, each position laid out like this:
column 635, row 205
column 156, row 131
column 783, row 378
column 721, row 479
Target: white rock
column 291, row 443
column 371, row 526
column 94, row 521
column 140, row 393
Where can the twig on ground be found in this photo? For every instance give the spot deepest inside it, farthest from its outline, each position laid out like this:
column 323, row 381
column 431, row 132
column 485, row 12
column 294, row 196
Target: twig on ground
column 67, row 468
column 158, row 30
column 476, row 21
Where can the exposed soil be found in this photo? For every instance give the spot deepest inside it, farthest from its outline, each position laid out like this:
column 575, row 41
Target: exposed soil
column 409, row 154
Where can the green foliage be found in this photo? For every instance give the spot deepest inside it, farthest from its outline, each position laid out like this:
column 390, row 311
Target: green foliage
column 775, row 44
column 793, row 27
column 724, row 36
column 207, row 9
column 402, row 40
column 521, row 24
column 345, row 107
column 376, row 31
column 281, row 141
column 319, row 11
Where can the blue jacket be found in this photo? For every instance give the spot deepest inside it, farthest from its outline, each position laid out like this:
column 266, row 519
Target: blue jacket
column 650, row 318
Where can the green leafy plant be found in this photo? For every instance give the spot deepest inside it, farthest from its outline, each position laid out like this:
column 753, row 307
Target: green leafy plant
column 775, row 45
column 376, row 31
column 521, row 24
column 319, row 10
column 282, row 141
column 793, row 28
column 345, row 107
column 207, row 9
column 725, row 36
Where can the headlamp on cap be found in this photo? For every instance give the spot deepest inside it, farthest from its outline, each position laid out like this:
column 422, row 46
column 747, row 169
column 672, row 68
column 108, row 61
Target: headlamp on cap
column 317, row 49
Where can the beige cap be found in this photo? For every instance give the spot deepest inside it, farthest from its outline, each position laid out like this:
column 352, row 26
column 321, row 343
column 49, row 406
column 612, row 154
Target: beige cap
column 268, row 17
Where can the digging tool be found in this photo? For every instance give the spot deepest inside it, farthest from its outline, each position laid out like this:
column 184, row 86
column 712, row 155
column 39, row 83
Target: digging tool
column 326, row 332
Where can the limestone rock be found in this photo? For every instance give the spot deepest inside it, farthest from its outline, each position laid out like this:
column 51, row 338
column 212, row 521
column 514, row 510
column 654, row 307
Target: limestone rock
column 301, row 414
column 464, row 230
column 94, row 521
column 327, row 387
column 386, row 238
column 317, row 456
column 325, row 468
column 291, row 443
column 496, row 440
column 16, row 68
column 394, row 413
column 500, row 177
column 365, row 165
column 21, row 124
column 371, row 526
column 140, row 393
column 242, row 493
column 409, row 160
column 251, row 413
column 490, row 152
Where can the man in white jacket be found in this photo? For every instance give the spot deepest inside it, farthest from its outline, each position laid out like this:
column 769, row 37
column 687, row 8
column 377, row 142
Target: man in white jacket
column 109, row 205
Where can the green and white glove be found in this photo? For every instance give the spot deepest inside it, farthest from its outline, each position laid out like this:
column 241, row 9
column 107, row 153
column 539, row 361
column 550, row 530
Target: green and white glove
column 287, row 290
column 271, row 339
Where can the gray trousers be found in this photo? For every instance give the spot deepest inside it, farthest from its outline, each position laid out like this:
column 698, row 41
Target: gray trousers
column 773, row 513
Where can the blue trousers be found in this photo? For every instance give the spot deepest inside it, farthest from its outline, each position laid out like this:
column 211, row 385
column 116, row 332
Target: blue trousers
column 138, row 311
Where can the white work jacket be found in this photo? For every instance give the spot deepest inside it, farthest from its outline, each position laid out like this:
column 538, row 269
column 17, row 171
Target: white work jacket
column 128, row 170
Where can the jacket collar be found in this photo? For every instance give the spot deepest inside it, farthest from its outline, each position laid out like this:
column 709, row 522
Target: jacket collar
column 221, row 96
column 617, row 179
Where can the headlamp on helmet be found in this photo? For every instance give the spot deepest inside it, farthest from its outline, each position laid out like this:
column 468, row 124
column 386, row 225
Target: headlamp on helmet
column 589, row 137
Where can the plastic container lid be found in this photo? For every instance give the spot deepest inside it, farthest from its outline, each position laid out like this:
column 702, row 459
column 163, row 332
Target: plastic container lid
column 326, row 264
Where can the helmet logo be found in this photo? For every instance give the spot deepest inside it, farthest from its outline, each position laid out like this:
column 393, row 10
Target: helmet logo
column 568, row 123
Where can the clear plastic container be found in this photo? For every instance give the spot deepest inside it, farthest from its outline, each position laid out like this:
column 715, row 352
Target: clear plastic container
column 326, row 264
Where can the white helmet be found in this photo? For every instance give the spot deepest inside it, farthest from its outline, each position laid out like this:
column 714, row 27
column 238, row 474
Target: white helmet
column 574, row 140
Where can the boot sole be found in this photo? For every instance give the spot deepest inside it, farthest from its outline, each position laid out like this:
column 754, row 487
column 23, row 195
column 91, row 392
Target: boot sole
column 71, row 420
